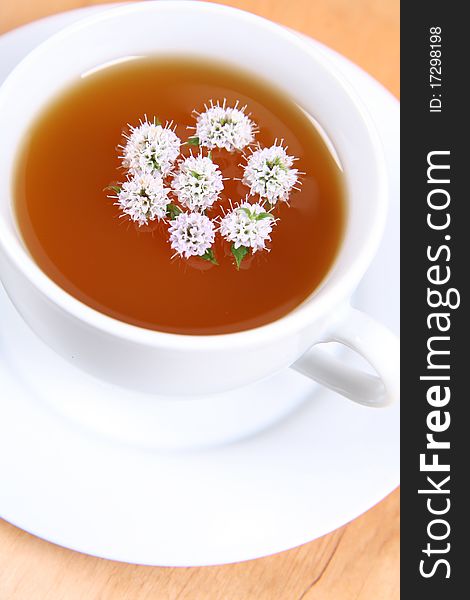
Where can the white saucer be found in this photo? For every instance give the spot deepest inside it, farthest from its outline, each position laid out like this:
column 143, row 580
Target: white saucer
column 107, row 477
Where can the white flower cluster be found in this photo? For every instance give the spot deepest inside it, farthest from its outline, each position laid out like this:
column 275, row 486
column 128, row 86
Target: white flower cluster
column 269, row 173
column 150, row 154
column 247, row 225
column 143, row 198
column 151, row 148
column 191, row 234
column 224, row 127
column 198, row 183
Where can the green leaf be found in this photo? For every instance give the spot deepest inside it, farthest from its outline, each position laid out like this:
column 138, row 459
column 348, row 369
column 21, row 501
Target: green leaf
column 263, row 215
column 173, row 210
column 277, row 162
column 196, row 174
column 155, row 165
column 193, row 141
column 209, row 255
column 239, row 254
column 114, row 188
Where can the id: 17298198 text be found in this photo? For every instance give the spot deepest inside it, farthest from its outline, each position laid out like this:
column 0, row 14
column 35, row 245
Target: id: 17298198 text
column 435, row 69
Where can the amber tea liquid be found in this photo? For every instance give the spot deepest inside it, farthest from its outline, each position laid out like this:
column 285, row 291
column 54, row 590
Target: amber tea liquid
column 75, row 233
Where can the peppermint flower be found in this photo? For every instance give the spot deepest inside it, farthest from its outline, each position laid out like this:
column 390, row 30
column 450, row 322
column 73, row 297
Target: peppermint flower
column 198, row 183
column 143, row 198
column 268, row 173
column 247, row 225
column 224, row 127
column 192, row 234
column 151, row 148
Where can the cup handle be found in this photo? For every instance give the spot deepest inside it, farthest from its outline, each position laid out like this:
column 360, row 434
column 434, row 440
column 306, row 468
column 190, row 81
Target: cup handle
column 372, row 340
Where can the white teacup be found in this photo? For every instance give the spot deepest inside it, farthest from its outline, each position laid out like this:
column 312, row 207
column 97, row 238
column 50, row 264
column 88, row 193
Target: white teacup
column 172, row 364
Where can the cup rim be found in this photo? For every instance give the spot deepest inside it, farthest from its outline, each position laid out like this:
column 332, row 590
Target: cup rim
column 328, row 294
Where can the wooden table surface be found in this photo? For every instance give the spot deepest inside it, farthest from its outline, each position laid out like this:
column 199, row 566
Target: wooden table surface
column 360, row 561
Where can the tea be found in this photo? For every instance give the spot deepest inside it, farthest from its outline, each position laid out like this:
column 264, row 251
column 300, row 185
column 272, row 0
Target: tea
column 75, row 234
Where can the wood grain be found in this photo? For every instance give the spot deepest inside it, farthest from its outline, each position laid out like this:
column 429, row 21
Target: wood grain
column 360, row 561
